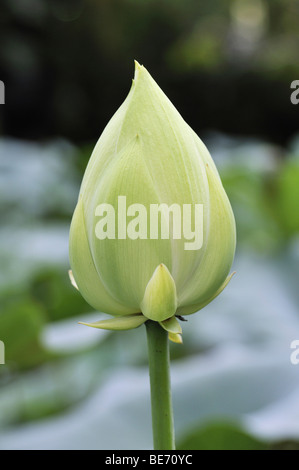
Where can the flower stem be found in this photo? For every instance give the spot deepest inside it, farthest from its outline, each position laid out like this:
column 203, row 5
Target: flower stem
column 159, row 371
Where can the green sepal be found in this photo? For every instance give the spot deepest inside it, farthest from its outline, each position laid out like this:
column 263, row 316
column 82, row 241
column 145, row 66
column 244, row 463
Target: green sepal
column 127, row 322
column 171, row 325
column 175, row 338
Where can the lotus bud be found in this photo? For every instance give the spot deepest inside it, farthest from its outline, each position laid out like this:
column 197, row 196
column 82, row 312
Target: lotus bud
column 153, row 233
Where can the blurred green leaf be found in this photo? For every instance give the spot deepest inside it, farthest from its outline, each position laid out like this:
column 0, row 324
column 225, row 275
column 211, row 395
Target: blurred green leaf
column 21, row 323
column 288, row 197
column 256, row 225
column 220, row 436
column 52, row 289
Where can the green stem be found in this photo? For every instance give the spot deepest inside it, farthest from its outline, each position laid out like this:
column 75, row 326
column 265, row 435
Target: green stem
column 162, row 416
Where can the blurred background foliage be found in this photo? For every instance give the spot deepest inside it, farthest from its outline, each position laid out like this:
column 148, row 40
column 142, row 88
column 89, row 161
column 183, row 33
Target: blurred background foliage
column 227, row 67
column 66, row 63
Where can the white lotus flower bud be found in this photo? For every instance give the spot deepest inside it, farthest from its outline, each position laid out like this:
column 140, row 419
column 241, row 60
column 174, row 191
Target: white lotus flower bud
column 153, row 233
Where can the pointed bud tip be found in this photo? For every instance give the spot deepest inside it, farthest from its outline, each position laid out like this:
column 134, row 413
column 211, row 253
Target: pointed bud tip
column 140, row 72
column 137, row 65
column 138, row 69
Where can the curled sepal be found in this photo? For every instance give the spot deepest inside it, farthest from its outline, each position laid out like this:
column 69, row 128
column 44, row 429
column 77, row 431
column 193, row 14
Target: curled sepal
column 171, row 325
column 127, row 322
column 72, row 279
column 160, row 297
column 175, row 338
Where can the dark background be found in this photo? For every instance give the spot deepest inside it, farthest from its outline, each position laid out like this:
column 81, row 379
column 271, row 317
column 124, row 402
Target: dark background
column 227, row 65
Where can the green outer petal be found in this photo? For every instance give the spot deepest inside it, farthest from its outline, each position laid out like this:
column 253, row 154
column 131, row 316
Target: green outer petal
column 84, row 272
column 171, row 155
column 171, row 325
column 219, row 252
column 127, row 265
column 194, row 308
column 127, row 322
column 205, row 155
